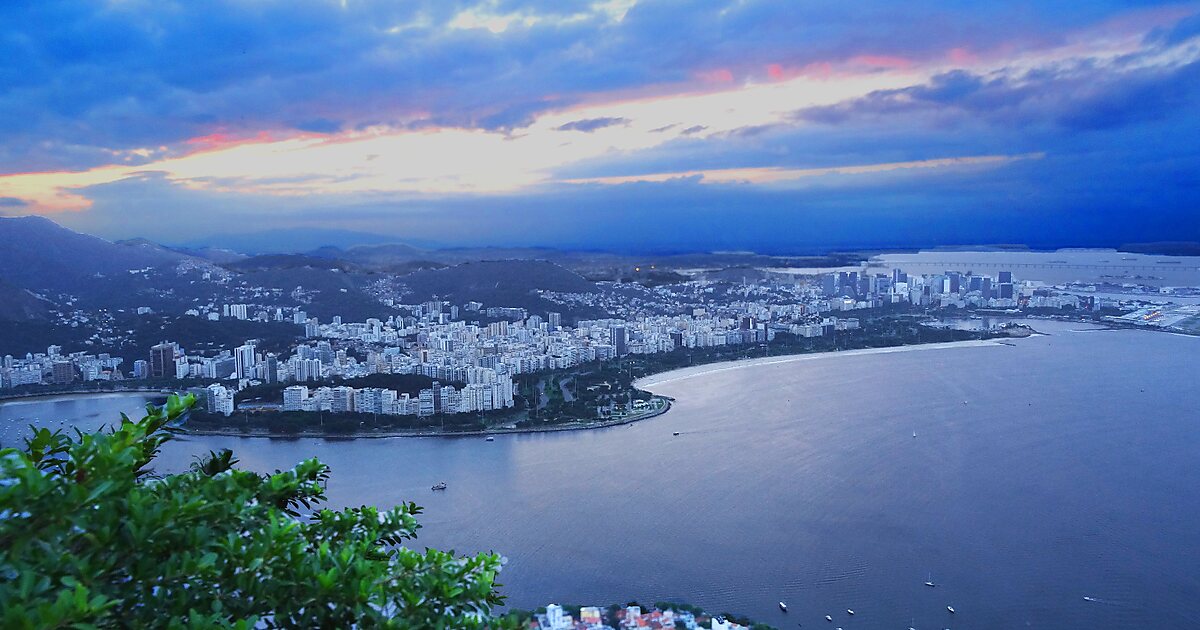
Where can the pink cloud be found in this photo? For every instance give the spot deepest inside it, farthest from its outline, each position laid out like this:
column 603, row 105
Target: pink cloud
column 718, row 75
column 891, row 62
column 962, row 56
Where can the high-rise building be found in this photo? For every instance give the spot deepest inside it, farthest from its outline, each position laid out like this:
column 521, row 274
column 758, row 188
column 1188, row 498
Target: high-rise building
column 243, row 358
column 162, row 360
column 554, row 319
column 620, row 339
column 1005, row 277
column 294, row 397
column 829, row 284
column 219, row 399
column 325, row 352
column 1006, row 290
column 63, row 373
column 141, row 368
column 341, row 399
column 308, row 370
column 271, row 369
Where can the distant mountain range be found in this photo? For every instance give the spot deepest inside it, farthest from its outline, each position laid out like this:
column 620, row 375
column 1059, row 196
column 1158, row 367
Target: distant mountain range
column 288, row 241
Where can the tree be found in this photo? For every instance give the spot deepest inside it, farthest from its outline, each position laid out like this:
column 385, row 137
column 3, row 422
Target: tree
column 90, row 537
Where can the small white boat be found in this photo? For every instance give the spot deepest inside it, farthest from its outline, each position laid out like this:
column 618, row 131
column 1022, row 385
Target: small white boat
column 1089, row 599
column 914, row 434
column 829, row 618
column 490, row 439
column 951, row 609
column 849, row 612
column 441, row 485
column 783, row 606
column 929, row 581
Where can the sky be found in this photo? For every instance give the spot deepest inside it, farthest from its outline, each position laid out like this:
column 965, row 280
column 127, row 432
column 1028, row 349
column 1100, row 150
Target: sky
column 615, row 124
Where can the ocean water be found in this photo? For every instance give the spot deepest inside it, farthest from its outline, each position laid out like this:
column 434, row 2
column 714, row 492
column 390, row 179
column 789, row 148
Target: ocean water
column 1056, row 468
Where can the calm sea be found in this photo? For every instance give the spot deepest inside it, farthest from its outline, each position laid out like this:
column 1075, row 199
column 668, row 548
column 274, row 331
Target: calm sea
column 1060, row 467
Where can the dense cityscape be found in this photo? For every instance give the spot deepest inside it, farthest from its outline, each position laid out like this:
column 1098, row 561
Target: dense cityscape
column 473, row 364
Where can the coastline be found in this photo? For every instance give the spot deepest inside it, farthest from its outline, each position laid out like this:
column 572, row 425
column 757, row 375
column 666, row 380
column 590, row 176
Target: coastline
column 711, row 368
column 641, row 383
column 147, row 393
column 666, row 406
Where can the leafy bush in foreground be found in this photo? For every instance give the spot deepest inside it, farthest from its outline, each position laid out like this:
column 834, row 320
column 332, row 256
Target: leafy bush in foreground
column 89, row 537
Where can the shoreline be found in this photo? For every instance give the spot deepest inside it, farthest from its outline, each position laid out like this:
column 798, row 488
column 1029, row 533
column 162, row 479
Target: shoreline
column 641, row 383
column 672, row 376
column 666, row 406
column 145, row 393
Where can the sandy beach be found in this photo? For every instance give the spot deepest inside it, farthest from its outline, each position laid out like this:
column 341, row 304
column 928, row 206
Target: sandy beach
column 710, row 368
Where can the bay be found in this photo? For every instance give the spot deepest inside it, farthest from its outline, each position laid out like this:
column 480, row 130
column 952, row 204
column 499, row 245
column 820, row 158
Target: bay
column 1061, row 466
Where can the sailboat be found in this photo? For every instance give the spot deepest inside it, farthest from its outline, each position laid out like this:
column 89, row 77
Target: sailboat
column 914, row 434
column 929, row 581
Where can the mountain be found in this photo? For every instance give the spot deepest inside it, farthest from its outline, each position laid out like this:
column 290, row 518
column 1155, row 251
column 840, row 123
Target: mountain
column 17, row 304
column 47, row 256
column 289, row 241
column 266, row 262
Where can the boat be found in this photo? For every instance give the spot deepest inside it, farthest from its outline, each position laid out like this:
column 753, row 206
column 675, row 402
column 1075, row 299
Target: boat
column 490, row 439
column 829, row 618
column 675, row 433
column 951, row 609
column 1089, row 599
column 929, row 581
column 914, row 434
column 441, row 485
column 849, row 612
column 783, row 606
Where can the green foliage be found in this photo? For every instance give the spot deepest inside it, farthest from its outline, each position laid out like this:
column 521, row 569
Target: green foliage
column 90, row 537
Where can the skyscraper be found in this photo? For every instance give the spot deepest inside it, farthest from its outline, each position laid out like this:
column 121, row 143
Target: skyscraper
column 271, row 369
column 162, row 360
column 243, row 358
column 620, row 339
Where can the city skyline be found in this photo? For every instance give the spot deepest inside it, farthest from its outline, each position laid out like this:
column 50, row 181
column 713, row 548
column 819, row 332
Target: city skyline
column 748, row 125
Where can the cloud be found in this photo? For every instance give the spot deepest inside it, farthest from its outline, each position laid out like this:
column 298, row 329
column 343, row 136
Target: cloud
column 85, row 80
column 12, row 202
column 591, row 124
column 1079, row 96
column 309, row 111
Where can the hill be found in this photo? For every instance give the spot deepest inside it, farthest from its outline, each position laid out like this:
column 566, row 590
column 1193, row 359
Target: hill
column 46, row 256
column 266, row 262
column 17, row 304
